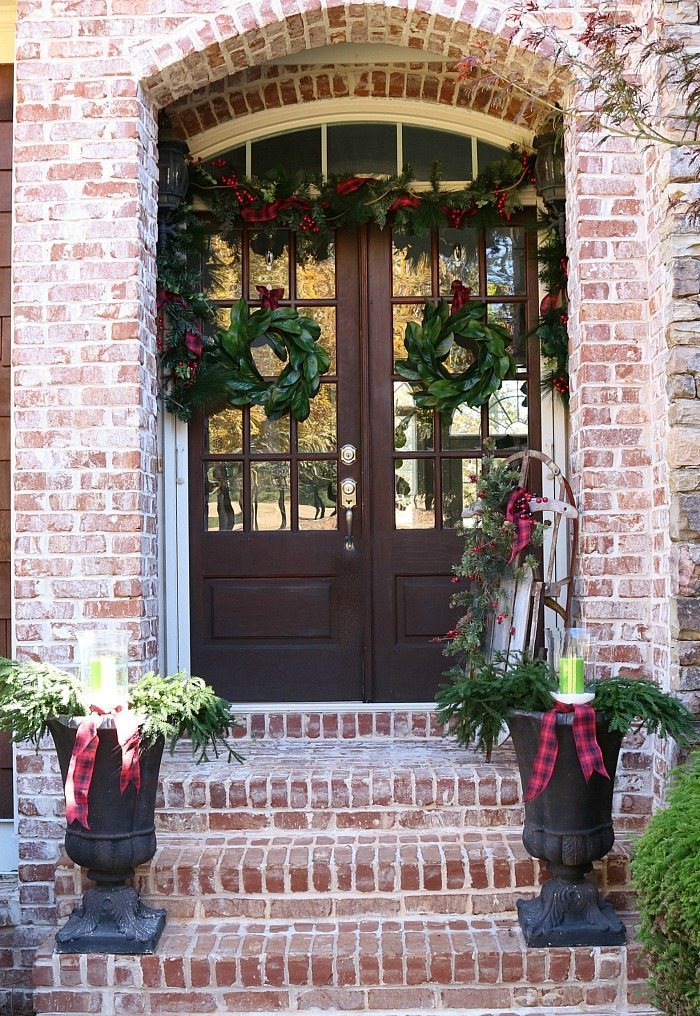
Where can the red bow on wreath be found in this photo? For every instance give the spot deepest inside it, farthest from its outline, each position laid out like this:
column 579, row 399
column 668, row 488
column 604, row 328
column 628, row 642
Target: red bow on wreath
column 587, row 748
column 270, row 298
column 461, row 294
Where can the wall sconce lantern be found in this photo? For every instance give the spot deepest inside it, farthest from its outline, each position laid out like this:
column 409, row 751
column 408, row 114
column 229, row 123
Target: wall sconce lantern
column 173, row 178
column 549, row 167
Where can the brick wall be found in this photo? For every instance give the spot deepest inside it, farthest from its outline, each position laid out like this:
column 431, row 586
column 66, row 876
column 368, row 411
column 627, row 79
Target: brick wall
column 6, row 93
column 90, row 80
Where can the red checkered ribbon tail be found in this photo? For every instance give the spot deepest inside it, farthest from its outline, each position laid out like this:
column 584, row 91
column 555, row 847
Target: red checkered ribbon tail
column 127, row 727
column 589, row 754
column 518, row 512
column 79, row 778
column 546, row 757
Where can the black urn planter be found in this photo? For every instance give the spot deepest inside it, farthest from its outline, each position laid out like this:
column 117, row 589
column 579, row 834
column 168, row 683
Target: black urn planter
column 111, row 918
column 569, row 825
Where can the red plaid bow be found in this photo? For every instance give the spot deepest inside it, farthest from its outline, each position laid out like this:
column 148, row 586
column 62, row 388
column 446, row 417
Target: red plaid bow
column 518, row 512
column 352, row 184
column 82, row 762
column 587, row 748
column 461, row 294
column 269, row 212
column 270, row 298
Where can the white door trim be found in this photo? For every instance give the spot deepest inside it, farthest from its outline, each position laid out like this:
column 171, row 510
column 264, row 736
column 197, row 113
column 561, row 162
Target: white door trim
column 174, row 547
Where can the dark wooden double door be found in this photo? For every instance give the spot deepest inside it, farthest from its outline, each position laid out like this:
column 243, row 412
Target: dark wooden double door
column 282, row 609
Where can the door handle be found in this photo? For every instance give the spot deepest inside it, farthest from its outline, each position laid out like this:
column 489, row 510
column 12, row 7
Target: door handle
column 348, row 501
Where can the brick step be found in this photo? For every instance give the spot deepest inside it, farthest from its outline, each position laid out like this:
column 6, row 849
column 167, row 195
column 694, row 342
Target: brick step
column 317, row 875
column 393, row 964
column 326, row 723
column 338, row 786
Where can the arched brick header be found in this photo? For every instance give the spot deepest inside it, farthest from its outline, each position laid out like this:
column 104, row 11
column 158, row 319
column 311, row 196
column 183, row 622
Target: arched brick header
column 273, row 86
column 205, row 50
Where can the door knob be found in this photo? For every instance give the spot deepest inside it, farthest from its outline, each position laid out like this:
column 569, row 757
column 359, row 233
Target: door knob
column 348, row 500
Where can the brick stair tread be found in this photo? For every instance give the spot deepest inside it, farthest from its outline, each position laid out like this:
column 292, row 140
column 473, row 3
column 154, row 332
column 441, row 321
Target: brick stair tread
column 396, row 964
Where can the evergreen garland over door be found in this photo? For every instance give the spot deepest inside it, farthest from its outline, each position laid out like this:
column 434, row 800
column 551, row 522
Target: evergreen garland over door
column 281, row 610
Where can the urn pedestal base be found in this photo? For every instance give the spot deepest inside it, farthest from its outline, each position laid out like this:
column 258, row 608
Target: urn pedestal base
column 569, row 912
column 111, row 920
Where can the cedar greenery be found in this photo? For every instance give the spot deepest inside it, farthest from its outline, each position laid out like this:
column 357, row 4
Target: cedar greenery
column 476, row 702
column 666, row 876
column 428, row 347
column 173, row 707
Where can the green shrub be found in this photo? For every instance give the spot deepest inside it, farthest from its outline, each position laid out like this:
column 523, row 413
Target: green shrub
column 666, row 874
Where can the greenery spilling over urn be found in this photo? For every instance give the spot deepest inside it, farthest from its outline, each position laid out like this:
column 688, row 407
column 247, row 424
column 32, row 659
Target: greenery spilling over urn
column 666, row 875
column 173, row 707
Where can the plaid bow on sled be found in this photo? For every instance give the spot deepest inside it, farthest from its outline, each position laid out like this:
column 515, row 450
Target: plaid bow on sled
column 587, row 748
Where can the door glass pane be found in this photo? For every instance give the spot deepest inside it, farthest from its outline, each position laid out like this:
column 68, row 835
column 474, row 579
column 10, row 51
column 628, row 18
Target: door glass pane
column 413, row 427
column 403, row 313
column 486, row 154
column 221, row 278
column 318, row 495
column 265, row 358
column 458, row 489
column 505, row 261
column 325, row 317
column 462, row 430
column 267, row 436
column 423, row 146
column 318, row 432
column 414, row 487
column 316, row 279
column 362, row 148
column 508, row 415
column 512, row 317
column 269, row 495
column 225, row 432
column 223, row 496
column 269, row 263
column 410, row 259
column 458, row 260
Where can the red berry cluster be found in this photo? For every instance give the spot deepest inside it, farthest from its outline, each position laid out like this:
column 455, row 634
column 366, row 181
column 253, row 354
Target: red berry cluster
column 307, row 224
column 528, row 164
column 560, row 383
column 501, row 205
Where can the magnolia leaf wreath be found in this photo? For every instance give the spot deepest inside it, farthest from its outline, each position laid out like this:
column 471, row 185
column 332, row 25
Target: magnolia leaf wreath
column 228, row 369
column 429, row 344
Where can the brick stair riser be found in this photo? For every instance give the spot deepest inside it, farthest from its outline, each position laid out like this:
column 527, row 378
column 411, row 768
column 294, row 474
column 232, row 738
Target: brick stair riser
column 350, row 966
column 338, row 725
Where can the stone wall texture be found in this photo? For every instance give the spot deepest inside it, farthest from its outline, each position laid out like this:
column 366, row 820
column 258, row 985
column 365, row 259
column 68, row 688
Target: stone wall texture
column 90, row 79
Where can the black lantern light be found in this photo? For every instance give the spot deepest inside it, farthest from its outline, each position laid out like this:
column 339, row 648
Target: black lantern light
column 549, row 167
column 173, row 177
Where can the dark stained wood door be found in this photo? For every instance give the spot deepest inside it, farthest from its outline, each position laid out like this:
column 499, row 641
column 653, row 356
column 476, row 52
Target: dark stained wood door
column 281, row 610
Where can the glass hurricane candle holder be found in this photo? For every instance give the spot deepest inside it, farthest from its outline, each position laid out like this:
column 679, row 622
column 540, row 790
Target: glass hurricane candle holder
column 575, row 660
column 104, row 667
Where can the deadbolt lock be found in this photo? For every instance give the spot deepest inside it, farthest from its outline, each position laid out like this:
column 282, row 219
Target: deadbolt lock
column 348, row 454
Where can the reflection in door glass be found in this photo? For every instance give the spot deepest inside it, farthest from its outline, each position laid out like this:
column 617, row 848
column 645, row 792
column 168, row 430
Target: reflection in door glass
column 505, row 261
column 223, row 496
column 268, row 436
column 269, row 495
column 413, row 427
column 462, row 429
column 269, row 263
column 414, row 489
column 508, row 415
column 325, row 317
column 225, row 432
column 221, row 278
column 402, row 313
column 458, row 489
column 316, row 279
column 410, row 259
column 318, row 495
column 458, row 260
column 512, row 317
column 318, row 432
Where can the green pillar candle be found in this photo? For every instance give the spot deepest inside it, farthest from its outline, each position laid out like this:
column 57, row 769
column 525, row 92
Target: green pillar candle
column 571, row 675
column 103, row 674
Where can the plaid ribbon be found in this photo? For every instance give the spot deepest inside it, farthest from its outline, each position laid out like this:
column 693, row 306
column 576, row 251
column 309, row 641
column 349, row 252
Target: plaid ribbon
column 82, row 762
column 518, row 512
column 270, row 298
column 269, row 212
column 352, row 184
column 404, row 201
column 587, row 748
column 461, row 294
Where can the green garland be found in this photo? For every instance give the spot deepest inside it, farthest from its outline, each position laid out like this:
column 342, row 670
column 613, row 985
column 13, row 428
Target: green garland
column 429, row 344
